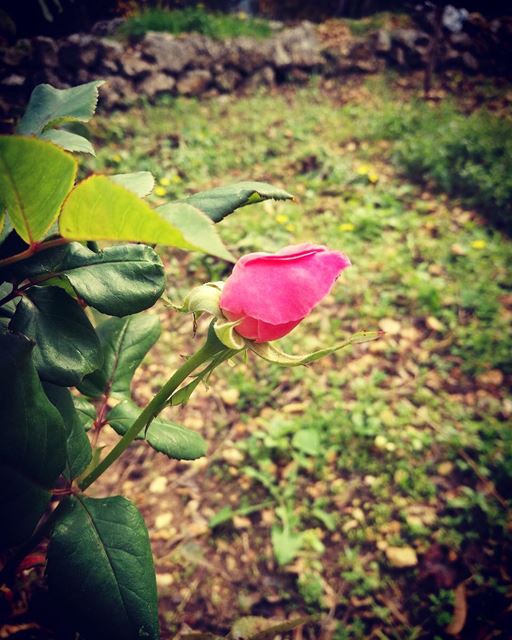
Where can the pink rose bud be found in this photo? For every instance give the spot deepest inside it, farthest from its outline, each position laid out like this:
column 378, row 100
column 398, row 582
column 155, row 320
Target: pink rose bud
column 272, row 292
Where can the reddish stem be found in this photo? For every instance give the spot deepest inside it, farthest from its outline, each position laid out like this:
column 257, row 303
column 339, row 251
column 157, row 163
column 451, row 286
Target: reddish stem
column 35, row 247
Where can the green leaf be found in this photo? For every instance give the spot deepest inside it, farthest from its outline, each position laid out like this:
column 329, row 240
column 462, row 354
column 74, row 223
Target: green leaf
column 99, row 209
column 285, row 544
column 49, row 107
column 67, row 347
column 68, row 141
column 167, row 437
column 85, row 411
column 117, row 281
column 124, row 343
column 307, row 441
column 259, row 628
column 197, row 228
column 268, row 351
column 33, row 449
column 220, row 202
column 35, row 177
column 141, row 183
column 100, row 569
column 78, row 447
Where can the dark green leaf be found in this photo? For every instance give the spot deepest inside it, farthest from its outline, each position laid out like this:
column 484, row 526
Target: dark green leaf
column 220, row 202
column 124, row 343
column 167, row 437
column 68, row 141
column 67, row 347
column 100, row 569
column 86, row 412
column 49, row 107
column 117, row 281
column 33, row 449
column 78, row 447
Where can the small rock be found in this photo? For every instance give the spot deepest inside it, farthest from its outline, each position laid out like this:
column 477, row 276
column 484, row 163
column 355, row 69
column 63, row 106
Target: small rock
column 382, row 41
column 233, row 456
column 134, row 66
column 492, row 378
column 156, row 84
column 194, row 82
column 14, row 80
column 390, row 326
column 262, row 77
column 227, row 80
column 117, row 92
column 433, row 324
column 170, row 53
column 445, row 468
column 45, row 52
column 240, row 522
column 164, row 579
column 230, row 396
column 470, row 62
column 401, row 557
column 458, row 250
column 78, row 50
column 163, row 520
column 158, row 485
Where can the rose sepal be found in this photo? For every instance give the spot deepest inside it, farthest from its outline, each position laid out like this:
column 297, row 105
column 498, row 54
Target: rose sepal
column 268, row 351
column 225, row 332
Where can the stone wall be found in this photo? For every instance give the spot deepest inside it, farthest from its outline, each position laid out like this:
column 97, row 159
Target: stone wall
column 194, row 65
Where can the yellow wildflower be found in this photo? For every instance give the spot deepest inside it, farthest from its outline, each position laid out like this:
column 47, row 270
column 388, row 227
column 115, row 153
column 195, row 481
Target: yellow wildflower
column 373, row 176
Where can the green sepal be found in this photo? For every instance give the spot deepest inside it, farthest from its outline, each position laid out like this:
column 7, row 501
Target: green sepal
column 100, row 569
column 268, row 351
column 225, row 332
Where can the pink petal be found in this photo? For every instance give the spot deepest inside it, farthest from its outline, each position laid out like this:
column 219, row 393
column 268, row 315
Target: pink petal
column 281, row 288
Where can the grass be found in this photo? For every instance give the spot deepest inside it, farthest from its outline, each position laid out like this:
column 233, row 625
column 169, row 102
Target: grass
column 404, row 442
column 219, row 26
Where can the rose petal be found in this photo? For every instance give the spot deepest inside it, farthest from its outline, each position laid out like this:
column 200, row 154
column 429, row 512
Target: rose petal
column 281, row 288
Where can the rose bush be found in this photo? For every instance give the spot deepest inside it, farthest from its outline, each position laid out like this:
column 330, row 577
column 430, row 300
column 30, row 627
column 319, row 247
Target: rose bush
column 52, row 273
column 270, row 293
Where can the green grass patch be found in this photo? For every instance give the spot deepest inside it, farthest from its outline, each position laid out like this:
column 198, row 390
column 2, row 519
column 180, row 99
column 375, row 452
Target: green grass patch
column 219, row 26
column 398, row 442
